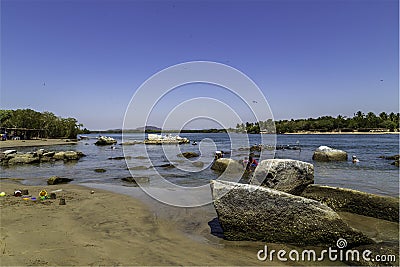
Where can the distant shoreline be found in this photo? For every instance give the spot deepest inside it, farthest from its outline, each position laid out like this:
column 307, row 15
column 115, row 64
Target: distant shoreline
column 36, row 142
column 343, row 133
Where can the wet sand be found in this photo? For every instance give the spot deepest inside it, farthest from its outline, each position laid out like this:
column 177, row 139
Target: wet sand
column 128, row 227
column 36, row 142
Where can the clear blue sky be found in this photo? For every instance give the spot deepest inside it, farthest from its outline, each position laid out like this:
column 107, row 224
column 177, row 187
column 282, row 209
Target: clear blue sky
column 310, row 58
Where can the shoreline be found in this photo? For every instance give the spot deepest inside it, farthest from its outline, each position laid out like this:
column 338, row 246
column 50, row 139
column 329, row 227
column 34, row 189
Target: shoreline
column 344, row 133
column 36, row 142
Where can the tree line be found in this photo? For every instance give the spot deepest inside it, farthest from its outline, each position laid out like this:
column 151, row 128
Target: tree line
column 359, row 122
column 48, row 124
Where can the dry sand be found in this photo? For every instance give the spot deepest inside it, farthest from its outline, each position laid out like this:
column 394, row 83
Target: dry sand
column 36, row 142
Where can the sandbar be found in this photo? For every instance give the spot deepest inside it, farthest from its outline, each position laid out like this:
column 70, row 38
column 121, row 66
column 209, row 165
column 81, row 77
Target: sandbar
column 36, row 142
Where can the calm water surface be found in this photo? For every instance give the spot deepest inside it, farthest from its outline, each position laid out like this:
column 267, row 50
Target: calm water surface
column 371, row 174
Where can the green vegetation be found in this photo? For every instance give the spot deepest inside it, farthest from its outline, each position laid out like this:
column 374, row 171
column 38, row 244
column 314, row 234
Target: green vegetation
column 45, row 124
column 359, row 122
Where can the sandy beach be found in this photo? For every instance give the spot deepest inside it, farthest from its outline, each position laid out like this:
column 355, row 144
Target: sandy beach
column 102, row 228
column 35, row 142
column 105, row 228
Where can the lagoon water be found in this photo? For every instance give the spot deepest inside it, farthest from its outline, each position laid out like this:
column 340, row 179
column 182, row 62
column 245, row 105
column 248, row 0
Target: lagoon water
column 371, row 174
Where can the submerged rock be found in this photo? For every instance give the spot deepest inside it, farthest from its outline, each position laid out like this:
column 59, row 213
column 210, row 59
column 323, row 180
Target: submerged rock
column 325, row 153
column 394, row 157
column 100, row 170
column 287, row 175
column 188, row 155
column 349, row 200
column 58, row 180
column 136, row 180
column 248, row 212
column 119, row 158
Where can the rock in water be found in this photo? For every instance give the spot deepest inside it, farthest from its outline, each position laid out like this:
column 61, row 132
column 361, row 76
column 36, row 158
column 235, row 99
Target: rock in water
column 287, row 175
column 249, row 212
column 349, row 200
column 58, row 180
column 136, row 180
column 325, row 153
column 222, row 164
column 59, row 155
column 188, row 155
column 23, row 159
column 73, row 155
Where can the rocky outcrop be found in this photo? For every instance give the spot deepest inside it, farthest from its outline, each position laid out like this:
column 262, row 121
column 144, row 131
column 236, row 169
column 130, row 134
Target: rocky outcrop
column 68, row 155
column 232, row 166
column 188, row 155
column 23, row 159
column 248, row 212
column 38, row 156
column 325, row 153
column 58, row 180
column 343, row 199
column 105, row 141
column 287, row 175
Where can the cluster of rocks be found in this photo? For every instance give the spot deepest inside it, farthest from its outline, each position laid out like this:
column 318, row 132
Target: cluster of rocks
column 12, row 157
column 105, row 141
column 281, row 204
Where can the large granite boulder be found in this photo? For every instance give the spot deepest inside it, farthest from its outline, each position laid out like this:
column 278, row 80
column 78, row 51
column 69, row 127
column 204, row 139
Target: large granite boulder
column 230, row 165
column 349, row 200
column 249, row 212
column 325, row 153
column 287, row 175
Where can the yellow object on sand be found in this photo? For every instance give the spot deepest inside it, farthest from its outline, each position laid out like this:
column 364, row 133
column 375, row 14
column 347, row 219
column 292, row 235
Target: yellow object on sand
column 43, row 193
column 2, row 194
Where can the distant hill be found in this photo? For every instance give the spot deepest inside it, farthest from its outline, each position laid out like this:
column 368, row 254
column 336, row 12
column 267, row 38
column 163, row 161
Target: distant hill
column 149, row 127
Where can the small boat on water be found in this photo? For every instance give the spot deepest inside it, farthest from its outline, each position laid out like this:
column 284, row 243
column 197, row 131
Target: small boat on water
column 105, row 140
column 83, row 137
column 158, row 139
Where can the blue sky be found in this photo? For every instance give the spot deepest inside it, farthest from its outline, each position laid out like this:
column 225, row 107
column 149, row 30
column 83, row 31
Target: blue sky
column 309, row 58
